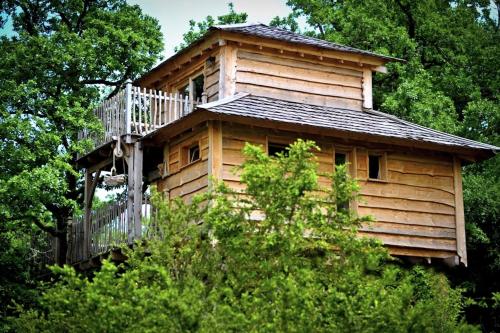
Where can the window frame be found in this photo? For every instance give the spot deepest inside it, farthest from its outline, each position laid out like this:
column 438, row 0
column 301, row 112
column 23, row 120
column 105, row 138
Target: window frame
column 185, row 151
column 189, row 82
column 382, row 158
column 349, row 152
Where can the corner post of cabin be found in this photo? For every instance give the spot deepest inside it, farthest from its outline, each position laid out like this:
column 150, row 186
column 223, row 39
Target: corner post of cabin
column 227, row 71
column 215, row 151
column 367, row 89
column 128, row 106
column 137, row 189
column 459, row 211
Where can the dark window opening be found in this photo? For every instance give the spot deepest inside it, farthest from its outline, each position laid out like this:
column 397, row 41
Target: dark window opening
column 193, row 153
column 273, row 149
column 374, row 167
column 198, row 83
column 340, row 158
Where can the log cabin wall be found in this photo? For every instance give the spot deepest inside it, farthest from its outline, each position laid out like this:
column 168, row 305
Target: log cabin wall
column 207, row 64
column 186, row 179
column 413, row 205
column 299, row 79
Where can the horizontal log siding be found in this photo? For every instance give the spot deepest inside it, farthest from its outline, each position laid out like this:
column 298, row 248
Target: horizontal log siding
column 297, row 80
column 186, row 181
column 414, row 208
column 211, row 84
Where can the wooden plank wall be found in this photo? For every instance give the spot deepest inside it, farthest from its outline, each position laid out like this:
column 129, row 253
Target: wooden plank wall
column 211, row 83
column 298, row 80
column 414, row 207
column 186, row 181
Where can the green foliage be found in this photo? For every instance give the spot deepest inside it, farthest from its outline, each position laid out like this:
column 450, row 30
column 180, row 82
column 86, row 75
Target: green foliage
column 198, row 29
column 54, row 67
column 450, row 82
column 212, row 267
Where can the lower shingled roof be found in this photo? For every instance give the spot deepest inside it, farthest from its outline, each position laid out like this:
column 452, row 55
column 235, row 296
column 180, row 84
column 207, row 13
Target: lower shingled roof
column 363, row 122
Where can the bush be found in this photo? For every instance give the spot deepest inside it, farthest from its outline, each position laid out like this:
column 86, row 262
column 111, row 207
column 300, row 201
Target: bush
column 213, row 268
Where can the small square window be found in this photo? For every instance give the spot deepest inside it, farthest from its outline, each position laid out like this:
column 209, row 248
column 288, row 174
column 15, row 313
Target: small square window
column 340, row 158
column 374, row 167
column 193, row 153
column 190, row 154
column 273, row 149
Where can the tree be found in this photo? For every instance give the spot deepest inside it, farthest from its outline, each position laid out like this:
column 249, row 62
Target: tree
column 213, row 267
column 198, row 29
column 449, row 82
column 60, row 59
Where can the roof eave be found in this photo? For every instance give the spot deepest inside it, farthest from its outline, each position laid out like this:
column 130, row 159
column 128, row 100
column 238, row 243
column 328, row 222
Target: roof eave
column 201, row 114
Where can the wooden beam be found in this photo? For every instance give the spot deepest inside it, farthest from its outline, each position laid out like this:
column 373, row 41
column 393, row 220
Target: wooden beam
column 130, row 196
column 215, row 150
column 367, row 89
column 459, row 211
column 137, row 175
column 227, row 71
column 304, row 49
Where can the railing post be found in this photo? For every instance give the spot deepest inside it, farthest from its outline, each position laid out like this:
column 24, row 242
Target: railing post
column 128, row 106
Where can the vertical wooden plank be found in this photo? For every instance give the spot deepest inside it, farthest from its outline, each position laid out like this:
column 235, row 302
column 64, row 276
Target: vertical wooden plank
column 227, row 71
column 459, row 211
column 176, row 107
column 137, row 175
column 354, row 174
column 130, row 196
column 215, row 150
column 367, row 89
column 170, row 115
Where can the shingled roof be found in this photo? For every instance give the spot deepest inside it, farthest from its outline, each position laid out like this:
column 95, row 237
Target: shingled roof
column 363, row 122
column 263, row 31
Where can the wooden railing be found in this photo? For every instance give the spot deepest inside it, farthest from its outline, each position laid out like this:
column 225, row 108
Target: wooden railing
column 109, row 229
column 137, row 110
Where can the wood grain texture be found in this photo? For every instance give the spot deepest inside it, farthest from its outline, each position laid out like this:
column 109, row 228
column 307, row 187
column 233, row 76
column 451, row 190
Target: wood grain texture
column 459, row 205
column 298, row 80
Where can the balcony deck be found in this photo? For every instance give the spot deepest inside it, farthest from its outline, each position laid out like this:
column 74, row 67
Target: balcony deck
column 136, row 111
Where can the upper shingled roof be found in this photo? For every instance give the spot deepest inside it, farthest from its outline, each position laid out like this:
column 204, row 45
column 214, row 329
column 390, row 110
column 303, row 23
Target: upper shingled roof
column 263, row 31
column 363, row 122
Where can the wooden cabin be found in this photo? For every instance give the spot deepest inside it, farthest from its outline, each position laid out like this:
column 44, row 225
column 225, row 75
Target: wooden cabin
column 189, row 118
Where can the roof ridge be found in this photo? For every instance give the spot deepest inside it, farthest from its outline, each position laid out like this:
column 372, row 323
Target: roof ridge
column 237, row 25
column 409, row 123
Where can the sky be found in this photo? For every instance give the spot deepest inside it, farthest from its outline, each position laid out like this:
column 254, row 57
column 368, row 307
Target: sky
column 174, row 16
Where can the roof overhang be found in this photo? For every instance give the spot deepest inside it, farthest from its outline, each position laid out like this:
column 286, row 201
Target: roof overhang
column 203, row 114
column 217, row 36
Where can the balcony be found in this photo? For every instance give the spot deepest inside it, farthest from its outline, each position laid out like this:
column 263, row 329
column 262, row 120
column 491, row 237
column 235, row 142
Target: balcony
column 137, row 111
column 111, row 226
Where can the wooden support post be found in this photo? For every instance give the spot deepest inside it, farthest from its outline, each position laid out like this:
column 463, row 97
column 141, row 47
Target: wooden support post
column 367, row 89
column 227, row 71
column 137, row 175
column 459, row 211
column 215, row 150
column 90, row 187
column 130, row 196
column 354, row 175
